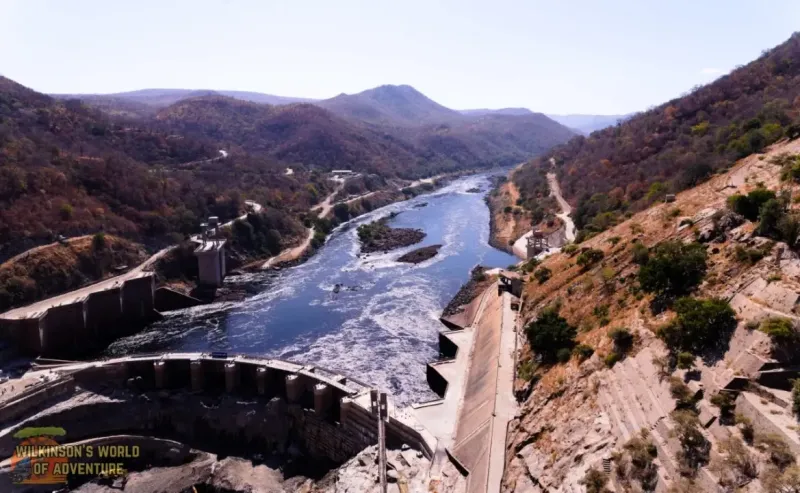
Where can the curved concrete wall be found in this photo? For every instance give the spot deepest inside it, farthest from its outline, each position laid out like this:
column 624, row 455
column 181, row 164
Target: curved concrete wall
column 329, row 413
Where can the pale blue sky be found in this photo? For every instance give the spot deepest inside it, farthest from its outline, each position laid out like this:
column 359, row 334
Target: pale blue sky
column 554, row 56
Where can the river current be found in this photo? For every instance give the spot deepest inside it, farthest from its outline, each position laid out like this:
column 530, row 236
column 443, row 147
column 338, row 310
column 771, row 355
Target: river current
column 380, row 327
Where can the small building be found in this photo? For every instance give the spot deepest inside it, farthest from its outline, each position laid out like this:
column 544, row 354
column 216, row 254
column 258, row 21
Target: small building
column 537, row 243
column 510, row 281
column 670, row 197
column 341, row 172
column 211, row 262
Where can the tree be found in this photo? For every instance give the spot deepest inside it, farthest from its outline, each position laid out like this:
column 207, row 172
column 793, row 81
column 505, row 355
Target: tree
column 685, row 360
column 750, row 205
column 789, row 228
column 542, row 274
column 695, row 448
column 673, row 268
column 98, row 241
column 769, row 215
column 623, row 339
column 341, row 211
column 273, row 241
column 590, row 257
column 699, row 325
column 549, row 333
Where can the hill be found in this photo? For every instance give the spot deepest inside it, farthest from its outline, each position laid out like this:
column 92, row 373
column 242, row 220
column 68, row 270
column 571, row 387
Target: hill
column 627, row 167
column 390, row 105
column 69, row 169
column 586, row 124
column 634, row 359
column 159, row 98
column 502, row 111
column 313, row 137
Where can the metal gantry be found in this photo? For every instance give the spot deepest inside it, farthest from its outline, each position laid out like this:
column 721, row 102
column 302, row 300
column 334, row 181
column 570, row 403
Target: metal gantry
column 380, row 408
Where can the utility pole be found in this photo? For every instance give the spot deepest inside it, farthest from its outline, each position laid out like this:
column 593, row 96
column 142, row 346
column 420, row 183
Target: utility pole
column 380, row 408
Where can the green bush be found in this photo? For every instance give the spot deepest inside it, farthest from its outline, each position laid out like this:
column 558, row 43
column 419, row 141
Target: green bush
column 583, row 351
column 769, row 215
column 542, row 274
column 780, row 330
column 623, row 339
column 563, row 355
column 641, row 254
column 749, row 256
column 685, row 360
column 589, row 257
column 776, row 450
column 99, row 241
column 341, row 211
column 673, row 268
column 611, row 359
column 570, row 249
column 796, row 397
column 749, row 205
column 725, row 402
column 699, row 325
column 549, row 333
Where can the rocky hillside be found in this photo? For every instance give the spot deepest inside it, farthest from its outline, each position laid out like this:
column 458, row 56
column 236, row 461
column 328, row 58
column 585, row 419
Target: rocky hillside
column 655, row 353
column 627, row 167
column 69, row 169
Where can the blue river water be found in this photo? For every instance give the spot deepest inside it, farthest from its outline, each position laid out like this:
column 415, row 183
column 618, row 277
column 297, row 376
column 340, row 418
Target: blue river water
column 380, row 327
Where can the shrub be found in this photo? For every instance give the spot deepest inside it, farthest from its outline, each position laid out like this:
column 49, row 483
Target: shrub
column 636, row 462
column 769, row 215
column 65, row 212
column 641, row 254
column 695, row 448
column 507, row 209
column 549, row 333
column 740, row 464
column 750, row 205
column 725, row 402
column 98, row 241
column 542, row 274
column 780, row 330
column 563, row 355
column 685, row 360
column 777, row 451
column 589, row 257
column 614, row 240
column 530, row 265
column 699, row 325
column 570, row 249
column 341, row 211
column 750, row 256
column 681, row 393
column 623, row 339
column 776, row 481
column 796, row 397
column 611, row 359
column 595, row 481
column 584, row 352
column 746, row 427
column 674, row 268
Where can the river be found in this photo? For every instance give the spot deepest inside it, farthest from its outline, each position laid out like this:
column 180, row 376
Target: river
column 381, row 327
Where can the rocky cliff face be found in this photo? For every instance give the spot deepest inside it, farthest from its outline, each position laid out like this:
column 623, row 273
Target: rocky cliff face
column 584, row 415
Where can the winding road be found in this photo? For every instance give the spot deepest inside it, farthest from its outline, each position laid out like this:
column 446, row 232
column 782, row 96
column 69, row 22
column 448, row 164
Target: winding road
column 520, row 247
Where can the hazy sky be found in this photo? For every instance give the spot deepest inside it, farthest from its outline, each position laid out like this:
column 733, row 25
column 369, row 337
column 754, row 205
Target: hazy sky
column 555, row 56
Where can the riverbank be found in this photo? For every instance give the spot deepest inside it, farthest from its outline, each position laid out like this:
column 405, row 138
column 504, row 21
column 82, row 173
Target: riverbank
column 507, row 220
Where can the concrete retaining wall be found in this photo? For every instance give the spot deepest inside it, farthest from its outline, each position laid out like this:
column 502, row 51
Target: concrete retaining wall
column 69, row 329
column 436, row 381
column 26, row 402
column 103, row 312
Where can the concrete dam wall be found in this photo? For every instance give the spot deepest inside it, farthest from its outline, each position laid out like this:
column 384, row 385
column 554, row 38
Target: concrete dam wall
column 236, row 404
column 69, row 325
